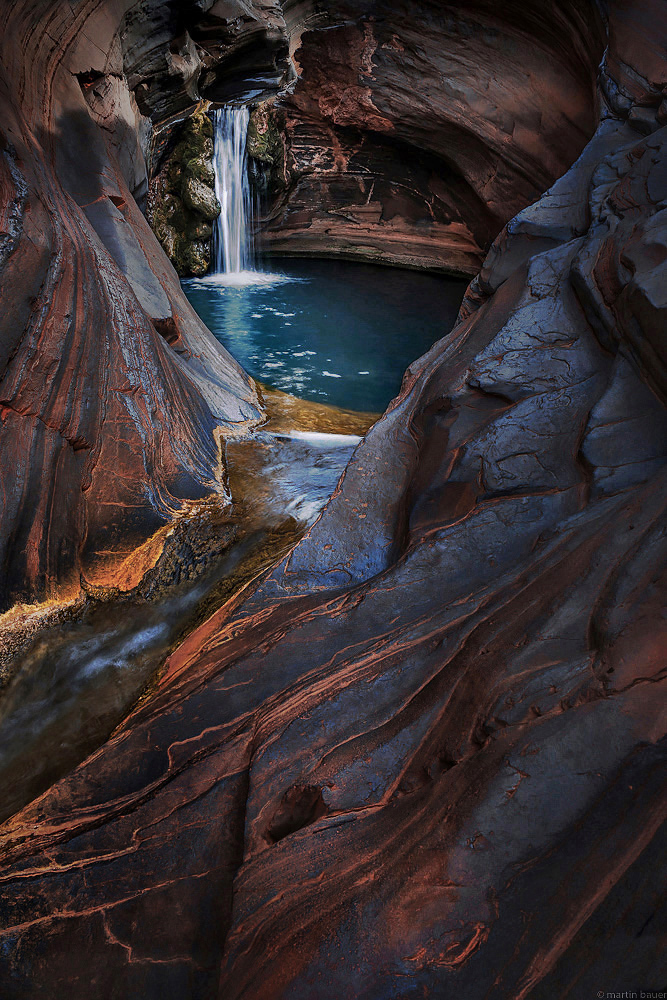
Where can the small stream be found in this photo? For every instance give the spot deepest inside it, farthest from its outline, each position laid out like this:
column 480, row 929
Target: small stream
column 326, row 332
column 78, row 678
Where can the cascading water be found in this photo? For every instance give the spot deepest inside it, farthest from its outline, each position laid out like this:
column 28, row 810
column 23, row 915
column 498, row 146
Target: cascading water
column 232, row 236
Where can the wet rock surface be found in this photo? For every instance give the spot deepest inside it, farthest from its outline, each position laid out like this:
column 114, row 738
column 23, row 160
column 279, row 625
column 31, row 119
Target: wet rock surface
column 182, row 204
column 70, row 673
column 111, row 389
column 424, row 754
column 266, row 147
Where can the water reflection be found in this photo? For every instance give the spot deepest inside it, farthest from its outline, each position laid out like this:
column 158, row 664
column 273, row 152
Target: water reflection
column 78, row 679
column 329, row 331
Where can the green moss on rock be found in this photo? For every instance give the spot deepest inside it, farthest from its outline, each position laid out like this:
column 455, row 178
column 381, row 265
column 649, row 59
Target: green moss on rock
column 265, row 140
column 200, row 199
column 194, row 257
column 182, row 202
column 202, row 231
column 201, row 168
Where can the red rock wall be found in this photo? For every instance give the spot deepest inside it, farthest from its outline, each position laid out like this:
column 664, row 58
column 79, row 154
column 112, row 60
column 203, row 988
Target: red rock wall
column 110, row 386
column 417, row 130
column 424, row 756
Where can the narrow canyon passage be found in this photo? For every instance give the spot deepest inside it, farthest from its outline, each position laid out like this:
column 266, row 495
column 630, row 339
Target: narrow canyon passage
column 333, row 647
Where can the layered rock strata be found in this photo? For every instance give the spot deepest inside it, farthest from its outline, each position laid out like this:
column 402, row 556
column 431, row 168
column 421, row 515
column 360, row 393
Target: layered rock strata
column 424, row 755
column 417, row 130
column 112, row 391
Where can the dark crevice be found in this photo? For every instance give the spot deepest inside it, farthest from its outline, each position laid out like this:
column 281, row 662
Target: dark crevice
column 645, row 925
column 236, row 835
column 88, row 78
column 299, row 807
column 170, row 333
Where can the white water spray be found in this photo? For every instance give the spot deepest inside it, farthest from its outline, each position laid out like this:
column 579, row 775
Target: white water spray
column 232, row 236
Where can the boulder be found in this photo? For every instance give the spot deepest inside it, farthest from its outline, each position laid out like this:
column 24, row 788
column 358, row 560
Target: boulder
column 200, row 199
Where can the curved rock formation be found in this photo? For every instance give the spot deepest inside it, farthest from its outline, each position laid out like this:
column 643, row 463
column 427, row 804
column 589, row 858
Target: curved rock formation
column 111, row 389
column 91, row 97
column 418, row 129
column 424, row 755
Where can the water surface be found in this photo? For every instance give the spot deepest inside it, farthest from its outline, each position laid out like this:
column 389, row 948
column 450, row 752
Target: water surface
column 335, row 332
column 78, row 678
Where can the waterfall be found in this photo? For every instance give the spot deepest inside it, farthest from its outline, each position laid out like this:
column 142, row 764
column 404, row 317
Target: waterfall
column 232, row 236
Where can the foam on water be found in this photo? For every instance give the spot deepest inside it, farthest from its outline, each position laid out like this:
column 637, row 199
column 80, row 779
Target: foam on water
column 241, row 279
column 322, row 440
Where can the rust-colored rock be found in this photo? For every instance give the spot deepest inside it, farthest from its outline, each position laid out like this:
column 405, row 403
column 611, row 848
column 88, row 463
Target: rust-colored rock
column 424, row 755
column 111, row 388
column 416, row 131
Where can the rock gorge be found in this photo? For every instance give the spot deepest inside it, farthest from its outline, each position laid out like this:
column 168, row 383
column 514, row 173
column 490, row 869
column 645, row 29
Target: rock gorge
column 423, row 753
column 418, row 130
